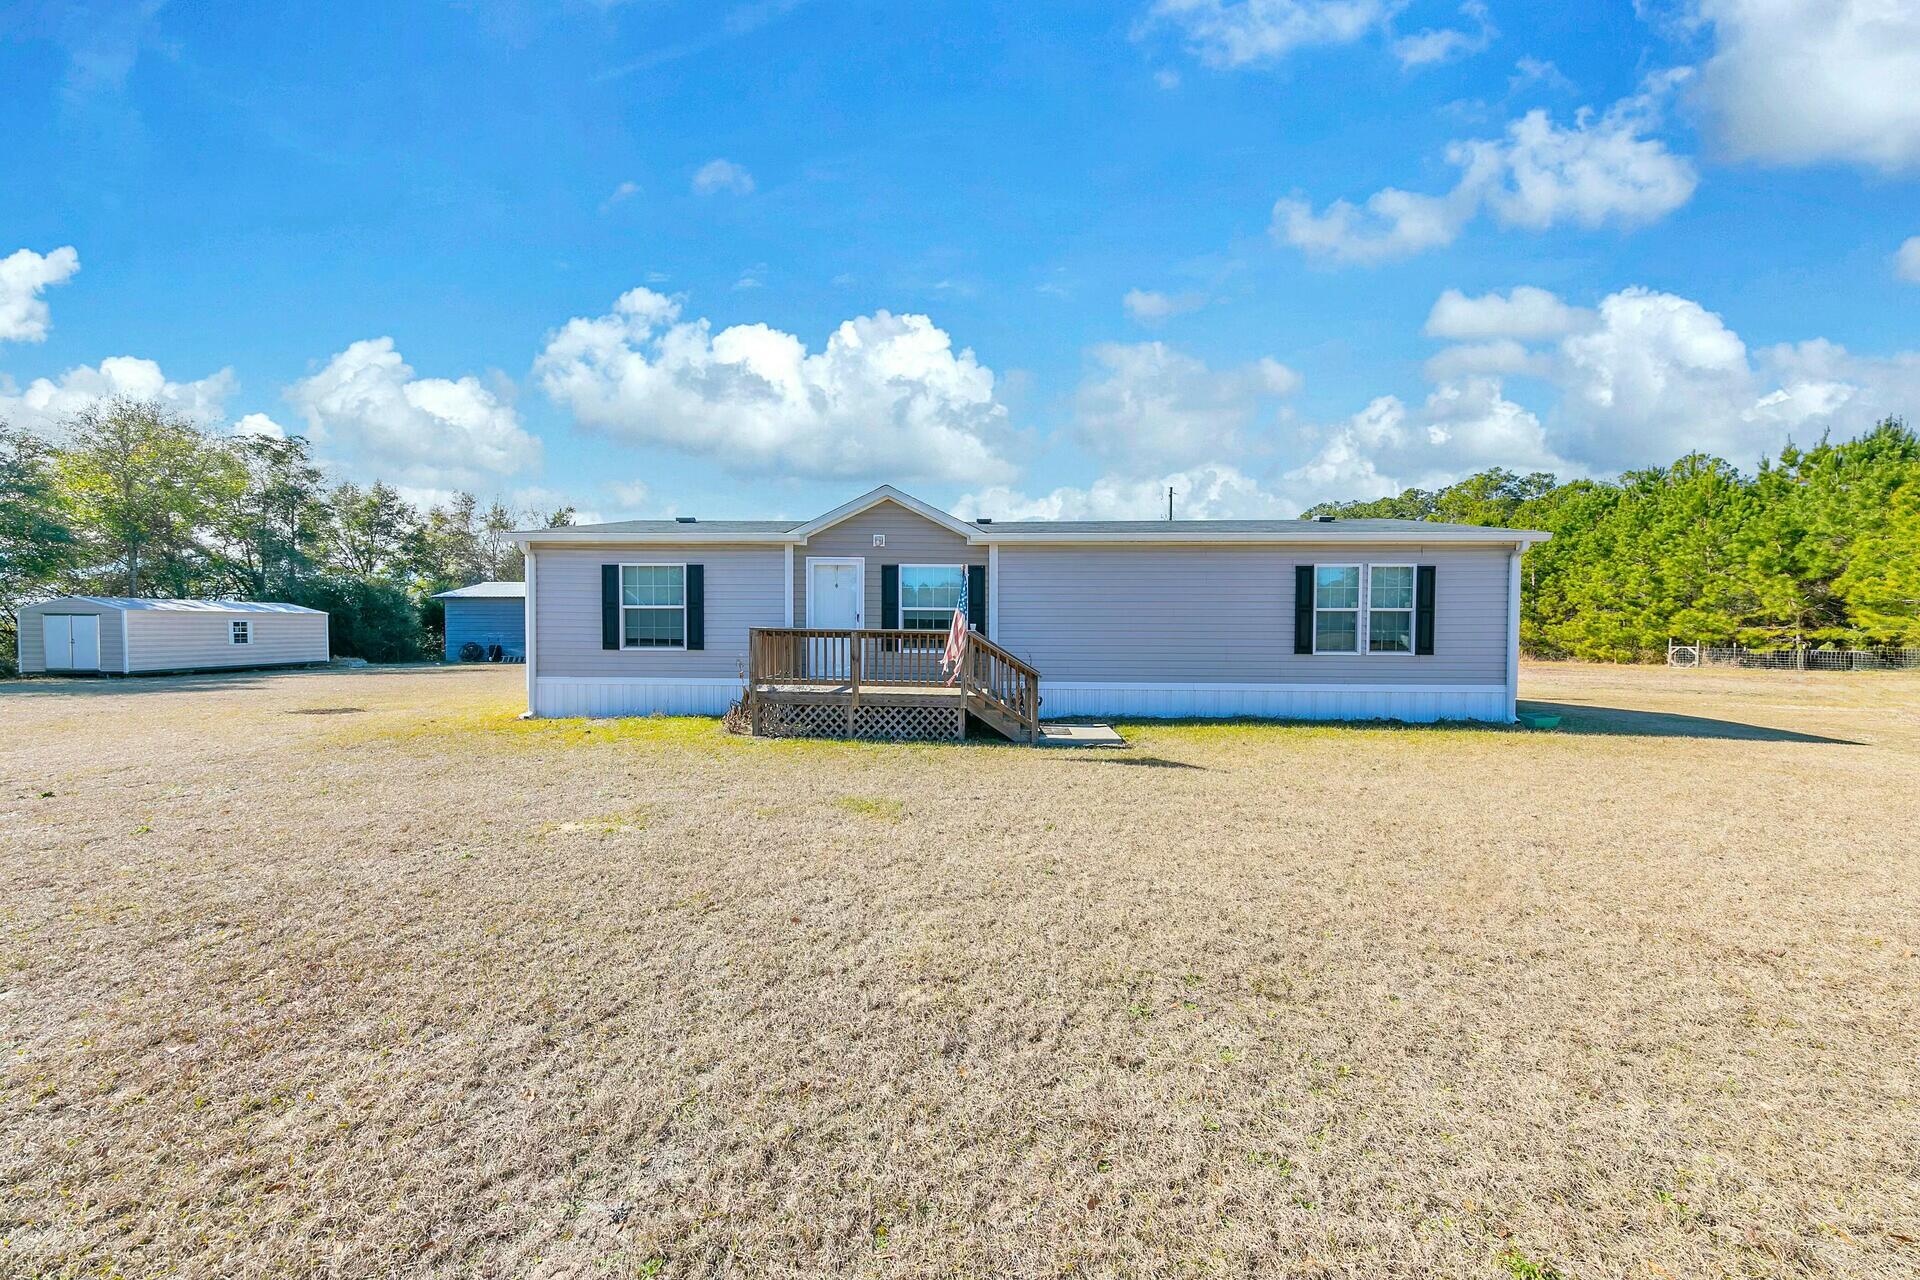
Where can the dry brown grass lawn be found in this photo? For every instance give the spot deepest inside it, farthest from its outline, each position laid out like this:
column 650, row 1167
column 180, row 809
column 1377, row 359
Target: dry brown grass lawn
column 355, row 974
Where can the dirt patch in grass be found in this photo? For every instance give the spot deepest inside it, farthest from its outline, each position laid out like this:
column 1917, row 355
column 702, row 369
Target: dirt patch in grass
column 433, row 990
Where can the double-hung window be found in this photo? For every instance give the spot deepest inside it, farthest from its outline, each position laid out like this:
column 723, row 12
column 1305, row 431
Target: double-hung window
column 240, row 631
column 929, row 593
column 653, row 606
column 1364, row 608
column 1336, row 608
column 1390, row 593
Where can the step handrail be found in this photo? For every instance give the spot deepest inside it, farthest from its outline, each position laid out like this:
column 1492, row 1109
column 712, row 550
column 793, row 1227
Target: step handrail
column 850, row 657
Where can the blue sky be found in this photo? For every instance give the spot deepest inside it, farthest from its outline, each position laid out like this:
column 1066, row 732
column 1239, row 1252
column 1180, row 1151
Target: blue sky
column 657, row 257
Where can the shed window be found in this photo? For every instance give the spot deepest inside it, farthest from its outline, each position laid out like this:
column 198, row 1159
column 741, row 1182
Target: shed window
column 240, row 631
column 653, row 606
column 929, row 593
column 1390, row 595
column 1336, row 608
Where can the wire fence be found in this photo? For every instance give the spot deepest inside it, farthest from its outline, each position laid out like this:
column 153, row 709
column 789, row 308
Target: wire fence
column 1793, row 658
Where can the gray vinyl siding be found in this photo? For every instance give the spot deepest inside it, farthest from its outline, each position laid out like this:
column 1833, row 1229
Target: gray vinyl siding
column 487, row 622
column 743, row 586
column 31, row 633
column 911, row 539
column 164, row 641
column 1223, row 614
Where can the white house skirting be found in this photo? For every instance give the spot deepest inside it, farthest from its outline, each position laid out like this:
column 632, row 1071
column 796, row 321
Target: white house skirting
column 591, row 696
column 1417, row 703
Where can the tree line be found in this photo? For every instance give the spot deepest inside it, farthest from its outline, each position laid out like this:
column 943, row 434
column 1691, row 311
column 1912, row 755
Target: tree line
column 134, row 499
column 1820, row 546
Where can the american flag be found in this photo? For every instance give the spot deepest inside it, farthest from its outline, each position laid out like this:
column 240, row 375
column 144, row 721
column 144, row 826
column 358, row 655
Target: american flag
column 956, row 634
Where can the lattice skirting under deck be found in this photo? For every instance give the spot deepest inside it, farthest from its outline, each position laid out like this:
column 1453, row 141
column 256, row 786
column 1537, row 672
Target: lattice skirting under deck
column 891, row 724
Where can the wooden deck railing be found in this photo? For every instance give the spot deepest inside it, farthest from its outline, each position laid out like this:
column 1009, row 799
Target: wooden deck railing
column 834, row 659
column 1003, row 679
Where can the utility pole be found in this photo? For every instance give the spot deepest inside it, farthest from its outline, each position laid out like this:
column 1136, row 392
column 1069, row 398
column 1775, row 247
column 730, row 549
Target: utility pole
column 1169, row 502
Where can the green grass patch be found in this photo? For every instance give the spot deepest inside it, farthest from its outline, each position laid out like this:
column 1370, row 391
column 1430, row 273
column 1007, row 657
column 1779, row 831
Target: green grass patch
column 1521, row 1267
column 501, row 727
column 880, row 807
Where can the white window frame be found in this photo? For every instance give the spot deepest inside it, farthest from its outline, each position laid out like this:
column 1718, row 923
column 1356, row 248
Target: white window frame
column 653, row 608
column 1412, row 611
column 1363, row 613
column 1359, row 611
column 900, row 606
column 234, row 626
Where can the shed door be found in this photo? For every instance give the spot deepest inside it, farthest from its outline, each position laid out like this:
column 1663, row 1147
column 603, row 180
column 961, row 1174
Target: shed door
column 72, row 641
column 86, row 642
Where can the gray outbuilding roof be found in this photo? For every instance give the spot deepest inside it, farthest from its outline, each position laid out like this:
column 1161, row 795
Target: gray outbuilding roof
column 189, row 606
column 486, row 591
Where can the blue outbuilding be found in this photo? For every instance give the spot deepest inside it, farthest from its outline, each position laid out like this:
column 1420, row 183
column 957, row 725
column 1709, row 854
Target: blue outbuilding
column 489, row 615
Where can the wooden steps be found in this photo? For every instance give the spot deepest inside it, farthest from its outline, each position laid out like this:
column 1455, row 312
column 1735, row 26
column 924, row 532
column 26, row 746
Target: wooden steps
column 887, row 684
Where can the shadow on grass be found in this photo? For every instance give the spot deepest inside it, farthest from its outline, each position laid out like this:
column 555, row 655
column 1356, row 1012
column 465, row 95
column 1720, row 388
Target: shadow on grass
column 1627, row 723
column 111, row 684
column 1110, row 756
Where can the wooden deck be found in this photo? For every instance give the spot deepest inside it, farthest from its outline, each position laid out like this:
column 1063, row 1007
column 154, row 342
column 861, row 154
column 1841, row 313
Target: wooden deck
column 885, row 684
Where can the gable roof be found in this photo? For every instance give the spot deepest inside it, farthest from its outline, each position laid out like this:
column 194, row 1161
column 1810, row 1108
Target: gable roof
column 1010, row 532
column 887, row 493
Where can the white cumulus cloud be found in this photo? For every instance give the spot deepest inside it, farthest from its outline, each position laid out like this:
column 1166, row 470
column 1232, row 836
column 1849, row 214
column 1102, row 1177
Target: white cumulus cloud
column 1647, row 376
column 1526, row 313
column 259, row 424
column 1444, row 44
column 1225, row 33
column 1149, row 306
column 24, row 275
column 888, row 395
column 1208, row 491
column 1495, row 356
column 1906, row 262
column 1463, row 426
column 1805, row 81
column 717, row 176
column 368, row 408
column 1603, row 169
column 1147, row 400
column 45, row 403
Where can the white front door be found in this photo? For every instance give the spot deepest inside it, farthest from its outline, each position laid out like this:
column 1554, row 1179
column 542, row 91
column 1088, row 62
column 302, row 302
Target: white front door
column 836, row 591
column 72, row 641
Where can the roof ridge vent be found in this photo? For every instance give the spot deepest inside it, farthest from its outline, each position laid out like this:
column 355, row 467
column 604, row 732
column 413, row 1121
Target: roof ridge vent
column 1323, row 519
column 686, row 519
column 983, row 520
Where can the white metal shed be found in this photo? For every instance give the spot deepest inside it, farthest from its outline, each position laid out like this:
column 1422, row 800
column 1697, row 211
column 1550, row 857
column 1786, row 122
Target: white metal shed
column 123, row 635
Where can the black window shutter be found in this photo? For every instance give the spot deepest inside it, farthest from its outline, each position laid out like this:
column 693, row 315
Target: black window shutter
column 1423, row 609
column 977, row 596
column 609, row 606
column 889, row 596
column 1303, row 608
column 696, row 606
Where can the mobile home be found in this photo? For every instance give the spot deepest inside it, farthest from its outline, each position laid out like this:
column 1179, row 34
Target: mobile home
column 1318, row 619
